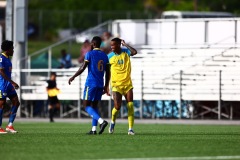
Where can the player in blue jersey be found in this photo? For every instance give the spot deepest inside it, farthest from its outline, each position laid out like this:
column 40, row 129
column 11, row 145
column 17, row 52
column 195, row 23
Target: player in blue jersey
column 97, row 63
column 7, row 86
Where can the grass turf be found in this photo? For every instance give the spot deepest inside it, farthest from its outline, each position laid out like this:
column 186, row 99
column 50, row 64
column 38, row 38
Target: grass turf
column 41, row 141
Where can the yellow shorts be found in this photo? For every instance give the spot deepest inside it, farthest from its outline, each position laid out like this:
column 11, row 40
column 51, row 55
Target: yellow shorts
column 123, row 90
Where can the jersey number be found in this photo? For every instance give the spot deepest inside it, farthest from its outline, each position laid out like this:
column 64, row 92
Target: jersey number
column 100, row 65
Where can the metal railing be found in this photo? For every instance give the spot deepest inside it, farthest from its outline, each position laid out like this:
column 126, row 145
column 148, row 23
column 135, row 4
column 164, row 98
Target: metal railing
column 89, row 33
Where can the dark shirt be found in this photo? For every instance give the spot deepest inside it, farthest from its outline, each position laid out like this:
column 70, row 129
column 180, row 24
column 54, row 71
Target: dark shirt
column 51, row 84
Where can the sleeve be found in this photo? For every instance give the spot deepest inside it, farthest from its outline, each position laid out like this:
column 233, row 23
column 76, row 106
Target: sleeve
column 87, row 57
column 126, row 51
column 1, row 63
column 68, row 57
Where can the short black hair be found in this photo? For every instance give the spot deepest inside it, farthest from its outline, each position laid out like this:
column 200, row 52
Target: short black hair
column 53, row 74
column 6, row 45
column 118, row 40
column 97, row 40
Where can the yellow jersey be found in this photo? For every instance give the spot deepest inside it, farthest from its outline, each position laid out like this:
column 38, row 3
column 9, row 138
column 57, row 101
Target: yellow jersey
column 120, row 68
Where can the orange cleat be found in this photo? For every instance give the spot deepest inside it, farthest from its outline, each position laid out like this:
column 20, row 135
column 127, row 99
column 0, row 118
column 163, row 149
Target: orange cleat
column 11, row 129
column 2, row 131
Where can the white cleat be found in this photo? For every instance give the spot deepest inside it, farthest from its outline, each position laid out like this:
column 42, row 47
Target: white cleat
column 131, row 132
column 111, row 128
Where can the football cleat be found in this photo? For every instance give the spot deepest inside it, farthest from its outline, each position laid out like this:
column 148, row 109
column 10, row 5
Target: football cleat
column 103, row 126
column 11, row 129
column 2, row 131
column 111, row 128
column 92, row 132
column 131, row 132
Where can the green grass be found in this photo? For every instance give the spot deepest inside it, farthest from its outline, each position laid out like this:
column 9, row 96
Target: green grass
column 41, row 141
column 34, row 46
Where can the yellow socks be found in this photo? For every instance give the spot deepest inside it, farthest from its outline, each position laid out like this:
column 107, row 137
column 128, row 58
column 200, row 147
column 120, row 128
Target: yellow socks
column 130, row 114
column 114, row 114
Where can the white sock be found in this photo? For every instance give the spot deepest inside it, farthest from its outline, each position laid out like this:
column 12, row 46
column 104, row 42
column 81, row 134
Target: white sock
column 112, row 122
column 10, row 124
column 130, row 129
column 100, row 120
column 94, row 128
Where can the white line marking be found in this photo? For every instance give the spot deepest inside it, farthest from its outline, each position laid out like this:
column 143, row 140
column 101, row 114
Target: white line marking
column 182, row 158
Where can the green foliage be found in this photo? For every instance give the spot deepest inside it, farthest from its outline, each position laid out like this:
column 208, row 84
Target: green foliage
column 137, row 5
column 62, row 141
column 93, row 5
column 51, row 15
column 73, row 48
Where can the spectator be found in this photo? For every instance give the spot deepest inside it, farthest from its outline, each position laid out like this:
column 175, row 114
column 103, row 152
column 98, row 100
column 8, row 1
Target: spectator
column 53, row 91
column 86, row 47
column 66, row 60
column 106, row 40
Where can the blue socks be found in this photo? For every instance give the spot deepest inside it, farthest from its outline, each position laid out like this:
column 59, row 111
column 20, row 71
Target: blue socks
column 13, row 114
column 94, row 121
column 1, row 113
column 92, row 113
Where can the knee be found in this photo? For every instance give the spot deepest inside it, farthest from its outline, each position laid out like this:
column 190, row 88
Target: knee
column 17, row 103
column 2, row 104
column 117, row 106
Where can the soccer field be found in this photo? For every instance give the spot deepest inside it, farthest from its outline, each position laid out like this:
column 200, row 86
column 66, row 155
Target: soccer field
column 68, row 141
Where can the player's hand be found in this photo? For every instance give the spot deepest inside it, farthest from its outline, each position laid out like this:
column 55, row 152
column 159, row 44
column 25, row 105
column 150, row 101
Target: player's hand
column 106, row 91
column 70, row 80
column 15, row 85
column 123, row 42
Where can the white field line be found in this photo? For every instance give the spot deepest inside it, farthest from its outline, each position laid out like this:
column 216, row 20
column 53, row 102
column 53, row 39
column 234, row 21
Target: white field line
column 183, row 158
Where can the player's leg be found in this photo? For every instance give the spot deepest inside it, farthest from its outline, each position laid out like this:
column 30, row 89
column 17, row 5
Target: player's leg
column 117, row 98
column 51, row 108
column 90, row 110
column 2, row 102
column 92, row 96
column 15, row 104
column 94, row 123
column 51, row 112
column 129, row 98
column 103, row 124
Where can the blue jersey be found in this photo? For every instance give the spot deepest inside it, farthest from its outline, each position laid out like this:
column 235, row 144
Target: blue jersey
column 6, row 64
column 97, row 61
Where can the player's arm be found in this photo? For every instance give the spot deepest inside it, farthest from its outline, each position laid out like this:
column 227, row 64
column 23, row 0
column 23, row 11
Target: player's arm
column 107, row 79
column 2, row 73
column 132, row 50
column 80, row 70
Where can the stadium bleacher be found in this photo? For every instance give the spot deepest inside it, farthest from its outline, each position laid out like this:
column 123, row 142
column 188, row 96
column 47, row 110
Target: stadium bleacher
column 163, row 74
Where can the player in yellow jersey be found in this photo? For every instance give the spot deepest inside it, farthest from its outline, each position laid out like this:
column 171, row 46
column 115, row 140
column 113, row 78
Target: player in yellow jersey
column 121, row 82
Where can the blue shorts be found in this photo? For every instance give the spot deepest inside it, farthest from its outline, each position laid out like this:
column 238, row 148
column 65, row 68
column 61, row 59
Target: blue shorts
column 92, row 93
column 7, row 90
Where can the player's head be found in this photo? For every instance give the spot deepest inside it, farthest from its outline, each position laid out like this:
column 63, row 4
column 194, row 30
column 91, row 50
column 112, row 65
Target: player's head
column 7, row 47
column 116, row 44
column 53, row 75
column 63, row 52
column 96, row 42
